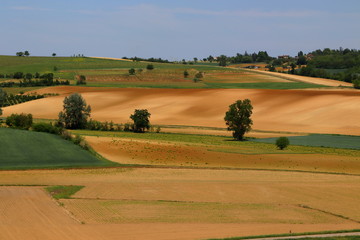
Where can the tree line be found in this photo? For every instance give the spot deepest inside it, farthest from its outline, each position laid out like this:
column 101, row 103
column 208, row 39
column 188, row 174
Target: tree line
column 32, row 80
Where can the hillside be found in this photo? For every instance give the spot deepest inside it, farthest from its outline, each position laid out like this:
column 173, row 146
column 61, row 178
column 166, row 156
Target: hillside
column 102, row 72
column 314, row 111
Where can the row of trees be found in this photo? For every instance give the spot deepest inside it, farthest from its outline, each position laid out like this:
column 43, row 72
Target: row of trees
column 23, row 54
column 76, row 112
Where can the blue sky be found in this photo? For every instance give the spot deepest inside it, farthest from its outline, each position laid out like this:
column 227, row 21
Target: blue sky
column 176, row 29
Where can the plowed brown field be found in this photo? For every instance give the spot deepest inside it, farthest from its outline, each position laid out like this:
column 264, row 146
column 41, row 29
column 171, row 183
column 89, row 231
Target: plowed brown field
column 316, row 111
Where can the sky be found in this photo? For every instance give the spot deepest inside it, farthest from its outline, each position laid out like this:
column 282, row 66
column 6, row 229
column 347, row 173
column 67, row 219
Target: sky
column 176, row 29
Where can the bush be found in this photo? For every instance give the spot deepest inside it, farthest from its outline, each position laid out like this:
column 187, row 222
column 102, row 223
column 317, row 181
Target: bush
column 46, row 127
column 356, row 84
column 282, row 142
column 150, row 67
column 131, row 71
column 21, row 121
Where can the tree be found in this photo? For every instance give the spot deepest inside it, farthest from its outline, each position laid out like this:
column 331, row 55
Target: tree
column 19, row 54
column 282, row 142
column 150, row 67
column 186, row 74
column 195, row 59
column 222, row 61
column 54, row 54
column 238, row 118
column 355, row 82
column 141, row 120
column 132, row 71
column 21, row 121
column 75, row 113
column 2, row 99
column 26, row 53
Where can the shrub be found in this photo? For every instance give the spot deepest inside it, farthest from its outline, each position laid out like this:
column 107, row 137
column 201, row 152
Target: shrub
column 21, row 121
column 46, row 127
column 356, row 83
column 282, row 142
column 150, row 67
column 131, row 71
column 186, row 74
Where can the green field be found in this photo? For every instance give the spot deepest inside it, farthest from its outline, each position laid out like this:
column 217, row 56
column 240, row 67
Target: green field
column 114, row 73
column 320, row 140
column 29, row 150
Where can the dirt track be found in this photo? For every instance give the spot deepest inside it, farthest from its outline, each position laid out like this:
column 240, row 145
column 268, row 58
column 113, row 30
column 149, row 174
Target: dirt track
column 314, row 111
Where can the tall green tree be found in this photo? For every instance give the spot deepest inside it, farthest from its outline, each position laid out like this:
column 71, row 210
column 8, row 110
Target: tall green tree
column 222, row 61
column 141, row 120
column 238, row 118
column 75, row 113
column 2, row 99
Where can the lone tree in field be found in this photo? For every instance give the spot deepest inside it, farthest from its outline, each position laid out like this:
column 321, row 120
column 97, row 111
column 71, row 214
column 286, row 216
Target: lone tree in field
column 141, row 120
column 282, row 142
column 149, row 67
column 238, row 118
column 75, row 113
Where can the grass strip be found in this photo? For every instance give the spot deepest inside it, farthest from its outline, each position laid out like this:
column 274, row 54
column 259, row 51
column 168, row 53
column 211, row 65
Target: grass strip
column 63, row 192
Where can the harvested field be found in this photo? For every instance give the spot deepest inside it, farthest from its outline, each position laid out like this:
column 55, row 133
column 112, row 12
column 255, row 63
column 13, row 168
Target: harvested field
column 153, row 152
column 314, row 111
column 243, row 77
column 321, row 81
column 120, row 203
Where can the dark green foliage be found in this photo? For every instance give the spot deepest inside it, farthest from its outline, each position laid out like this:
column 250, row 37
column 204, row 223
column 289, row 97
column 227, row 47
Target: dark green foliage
column 18, row 75
column 75, row 113
column 20, row 121
column 238, row 119
column 26, row 53
column 141, row 120
column 356, row 83
column 2, row 99
column 222, row 61
column 282, row 142
column 63, row 192
column 186, row 74
column 46, row 79
column 20, row 54
column 150, row 67
column 81, row 80
column 54, row 54
column 131, row 71
column 11, row 99
column 46, row 127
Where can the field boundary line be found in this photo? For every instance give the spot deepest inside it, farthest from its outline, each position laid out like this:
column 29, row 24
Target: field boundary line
column 327, row 212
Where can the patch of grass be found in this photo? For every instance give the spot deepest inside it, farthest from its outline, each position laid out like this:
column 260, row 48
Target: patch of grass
column 299, row 234
column 320, row 140
column 22, row 149
column 63, row 192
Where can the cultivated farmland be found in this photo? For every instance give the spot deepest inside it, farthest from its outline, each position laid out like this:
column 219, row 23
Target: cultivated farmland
column 191, row 180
